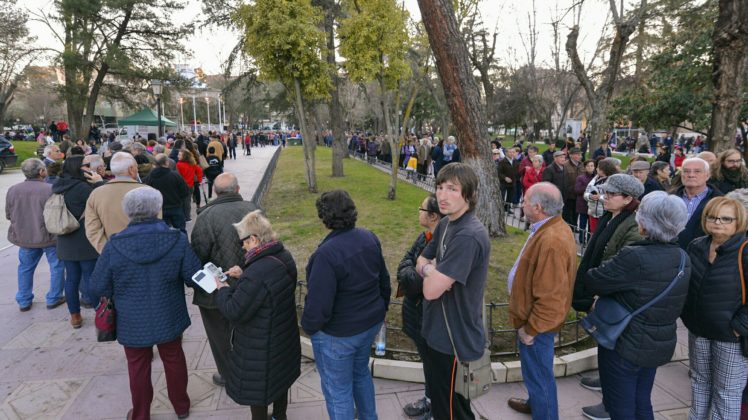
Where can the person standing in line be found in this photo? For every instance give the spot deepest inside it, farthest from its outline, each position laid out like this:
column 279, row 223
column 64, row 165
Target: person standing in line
column 541, row 284
column 348, row 294
column 24, row 208
column 410, row 288
column 454, row 267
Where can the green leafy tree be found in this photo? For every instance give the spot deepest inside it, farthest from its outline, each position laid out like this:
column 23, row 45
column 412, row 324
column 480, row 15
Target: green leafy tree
column 291, row 55
column 374, row 41
column 109, row 47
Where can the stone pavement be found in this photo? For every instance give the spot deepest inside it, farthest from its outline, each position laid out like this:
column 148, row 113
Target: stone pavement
column 50, row 371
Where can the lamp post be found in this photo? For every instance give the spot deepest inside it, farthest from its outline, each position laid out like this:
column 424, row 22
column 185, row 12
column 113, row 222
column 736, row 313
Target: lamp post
column 156, row 86
column 207, row 102
column 194, row 116
column 220, row 121
column 181, row 111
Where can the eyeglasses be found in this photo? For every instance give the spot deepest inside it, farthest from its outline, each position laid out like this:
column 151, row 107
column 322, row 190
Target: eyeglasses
column 724, row 220
column 615, row 194
column 735, row 161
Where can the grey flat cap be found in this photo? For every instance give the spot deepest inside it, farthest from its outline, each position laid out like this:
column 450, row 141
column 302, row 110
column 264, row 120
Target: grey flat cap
column 640, row 165
column 623, row 184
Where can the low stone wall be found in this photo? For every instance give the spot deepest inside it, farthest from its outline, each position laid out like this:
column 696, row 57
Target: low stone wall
column 264, row 185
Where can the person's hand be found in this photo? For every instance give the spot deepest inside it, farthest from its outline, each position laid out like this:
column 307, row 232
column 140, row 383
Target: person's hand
column 594, row 196
column 219, row 283
column 525, row 338
column 234, row 271
column 507, row 179
column 92, row 177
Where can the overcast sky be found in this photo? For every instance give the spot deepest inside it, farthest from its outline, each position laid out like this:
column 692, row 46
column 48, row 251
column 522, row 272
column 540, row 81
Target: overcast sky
column 211, row 47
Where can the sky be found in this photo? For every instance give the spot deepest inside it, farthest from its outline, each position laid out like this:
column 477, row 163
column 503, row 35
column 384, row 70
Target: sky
column 211, row 47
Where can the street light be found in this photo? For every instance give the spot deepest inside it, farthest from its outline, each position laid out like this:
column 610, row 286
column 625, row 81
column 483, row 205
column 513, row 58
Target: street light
column 156, row 86
column 181, row 111
column 207, row 102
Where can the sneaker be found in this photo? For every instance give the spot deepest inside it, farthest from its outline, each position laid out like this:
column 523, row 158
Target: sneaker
column 417, row 408
column 596, row 412
column 591, row 382
column 28, row 308
column 57, row 303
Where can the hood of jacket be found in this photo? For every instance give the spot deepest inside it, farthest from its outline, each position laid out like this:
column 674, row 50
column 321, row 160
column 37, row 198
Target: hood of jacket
column 64, row 184
column 145, row 242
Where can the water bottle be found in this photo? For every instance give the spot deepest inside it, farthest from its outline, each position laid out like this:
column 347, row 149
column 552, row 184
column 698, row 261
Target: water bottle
column 380, row 341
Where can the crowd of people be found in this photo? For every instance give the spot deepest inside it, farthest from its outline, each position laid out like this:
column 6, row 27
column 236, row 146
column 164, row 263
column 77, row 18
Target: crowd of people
column 655, row 228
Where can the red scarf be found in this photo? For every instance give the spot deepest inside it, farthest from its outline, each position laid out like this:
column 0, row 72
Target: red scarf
column 258, row 250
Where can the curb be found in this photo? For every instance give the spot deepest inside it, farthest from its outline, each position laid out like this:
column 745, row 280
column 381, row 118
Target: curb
column 503, row 372
column 264, row 185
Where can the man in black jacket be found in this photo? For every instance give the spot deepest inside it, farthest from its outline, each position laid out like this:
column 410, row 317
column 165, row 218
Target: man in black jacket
column 214, row 239
column 173, row 189
column 695, row 192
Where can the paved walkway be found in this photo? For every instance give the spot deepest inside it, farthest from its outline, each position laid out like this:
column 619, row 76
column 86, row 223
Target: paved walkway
column 50, row 371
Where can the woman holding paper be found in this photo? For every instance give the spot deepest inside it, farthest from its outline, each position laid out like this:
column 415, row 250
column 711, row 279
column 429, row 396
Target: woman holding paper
column 266, row 352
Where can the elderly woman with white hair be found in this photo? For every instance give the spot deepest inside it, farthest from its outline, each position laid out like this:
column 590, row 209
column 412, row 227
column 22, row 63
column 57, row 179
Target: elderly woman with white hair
column 143, row 269
column 634, row 278
column 266, row 352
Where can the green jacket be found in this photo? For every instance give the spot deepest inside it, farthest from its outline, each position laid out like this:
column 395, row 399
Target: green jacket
column 626, row 233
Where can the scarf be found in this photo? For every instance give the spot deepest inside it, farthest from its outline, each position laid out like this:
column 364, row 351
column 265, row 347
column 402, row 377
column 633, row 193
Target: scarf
column 252, row 253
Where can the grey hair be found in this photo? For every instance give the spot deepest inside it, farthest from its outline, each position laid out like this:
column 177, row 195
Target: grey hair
column 48, row 150
column 94, row 161
column 548, row 196
column 740, row 195
column 121, row 163
column 228, row 188
column 617, row 162
column 707, row 168
column 137, row 146
column 159, row 148
column 31, row 167
column 662, row 216
column 162, row 160
column 537, row 158
column 142, row 204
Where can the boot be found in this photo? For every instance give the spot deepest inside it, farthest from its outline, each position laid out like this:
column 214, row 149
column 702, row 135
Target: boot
column 76, row 320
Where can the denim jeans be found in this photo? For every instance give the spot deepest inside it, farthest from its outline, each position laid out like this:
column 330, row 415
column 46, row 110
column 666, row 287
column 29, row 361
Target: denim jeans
column 584, row 228
column 28, row 259
column 77, row 276
column 537, row 372
column 627, row 388
column 343, row 365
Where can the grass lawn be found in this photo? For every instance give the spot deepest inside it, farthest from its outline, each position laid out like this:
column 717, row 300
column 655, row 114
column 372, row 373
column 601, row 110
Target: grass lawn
column 542, row 147
column 291, row 210
column 24, row 150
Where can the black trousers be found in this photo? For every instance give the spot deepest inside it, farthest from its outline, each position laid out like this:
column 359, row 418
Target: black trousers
column 570, row 212
column 445, row 404
column 218, row 330
column 260, row 412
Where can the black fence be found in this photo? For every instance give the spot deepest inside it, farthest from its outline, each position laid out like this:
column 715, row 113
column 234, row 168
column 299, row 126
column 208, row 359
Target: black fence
column 503, row 339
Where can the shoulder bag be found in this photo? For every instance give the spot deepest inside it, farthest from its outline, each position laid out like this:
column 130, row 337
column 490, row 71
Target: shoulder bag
column 743, row 339
column 609, row 318
column 471, row 379
column 57, row 218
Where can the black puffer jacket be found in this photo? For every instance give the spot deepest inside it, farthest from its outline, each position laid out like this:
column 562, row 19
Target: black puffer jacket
column 714, row 305
column 265, row 355
column 411, row 284
column 170, row 184
column 634, row 277
column 693, row 228
column 75, row 245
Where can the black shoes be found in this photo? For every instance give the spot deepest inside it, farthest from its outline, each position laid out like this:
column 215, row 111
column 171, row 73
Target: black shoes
column 418, row 408
column 25, row 308
column 218, row 379
column 592, row 383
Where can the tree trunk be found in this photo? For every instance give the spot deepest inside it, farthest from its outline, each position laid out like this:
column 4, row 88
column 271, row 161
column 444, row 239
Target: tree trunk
column 339, row 149
column 728, row 72
column 463, row 99
column 309, row 143
column 389, row 137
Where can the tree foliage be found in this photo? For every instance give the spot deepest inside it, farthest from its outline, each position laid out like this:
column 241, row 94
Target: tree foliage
column 16, row 52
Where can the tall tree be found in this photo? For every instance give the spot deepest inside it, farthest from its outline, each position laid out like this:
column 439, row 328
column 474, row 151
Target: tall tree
column 374, row 41
column 600, row 96
column 463, row 97
column 16, row 52
column 729, row 71
column 104, row 40
column 291, row 56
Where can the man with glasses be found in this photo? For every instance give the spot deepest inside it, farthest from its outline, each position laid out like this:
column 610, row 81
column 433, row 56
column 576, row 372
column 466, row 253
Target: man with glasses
column 730, row 173
column 696, row 193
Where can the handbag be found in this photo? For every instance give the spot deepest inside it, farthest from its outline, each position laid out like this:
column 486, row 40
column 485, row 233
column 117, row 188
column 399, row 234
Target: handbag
column 471, row 379
column 609, row 318
column 106, row 320
column 57, row 218
column 203, row 162
column 743, row 339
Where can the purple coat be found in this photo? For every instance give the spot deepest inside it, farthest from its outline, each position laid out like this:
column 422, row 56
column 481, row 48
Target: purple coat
column 579, row 188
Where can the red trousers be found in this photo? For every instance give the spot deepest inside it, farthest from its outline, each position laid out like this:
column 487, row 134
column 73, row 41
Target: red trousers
column 175, row 367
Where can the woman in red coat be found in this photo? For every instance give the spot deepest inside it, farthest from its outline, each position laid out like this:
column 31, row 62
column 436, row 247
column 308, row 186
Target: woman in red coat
column 192, row 175
column 534, row 174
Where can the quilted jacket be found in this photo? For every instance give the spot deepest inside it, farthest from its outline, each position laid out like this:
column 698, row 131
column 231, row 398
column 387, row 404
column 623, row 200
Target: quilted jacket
column 144, row 269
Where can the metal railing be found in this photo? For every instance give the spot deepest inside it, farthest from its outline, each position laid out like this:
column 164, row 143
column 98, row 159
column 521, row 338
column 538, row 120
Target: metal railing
column 503, row 339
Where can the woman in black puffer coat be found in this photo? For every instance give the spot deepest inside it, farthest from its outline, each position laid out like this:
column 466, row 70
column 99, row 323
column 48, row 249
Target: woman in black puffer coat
column 633, row 278
column 265, row 355
column 410, row 285
column 714, row 313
